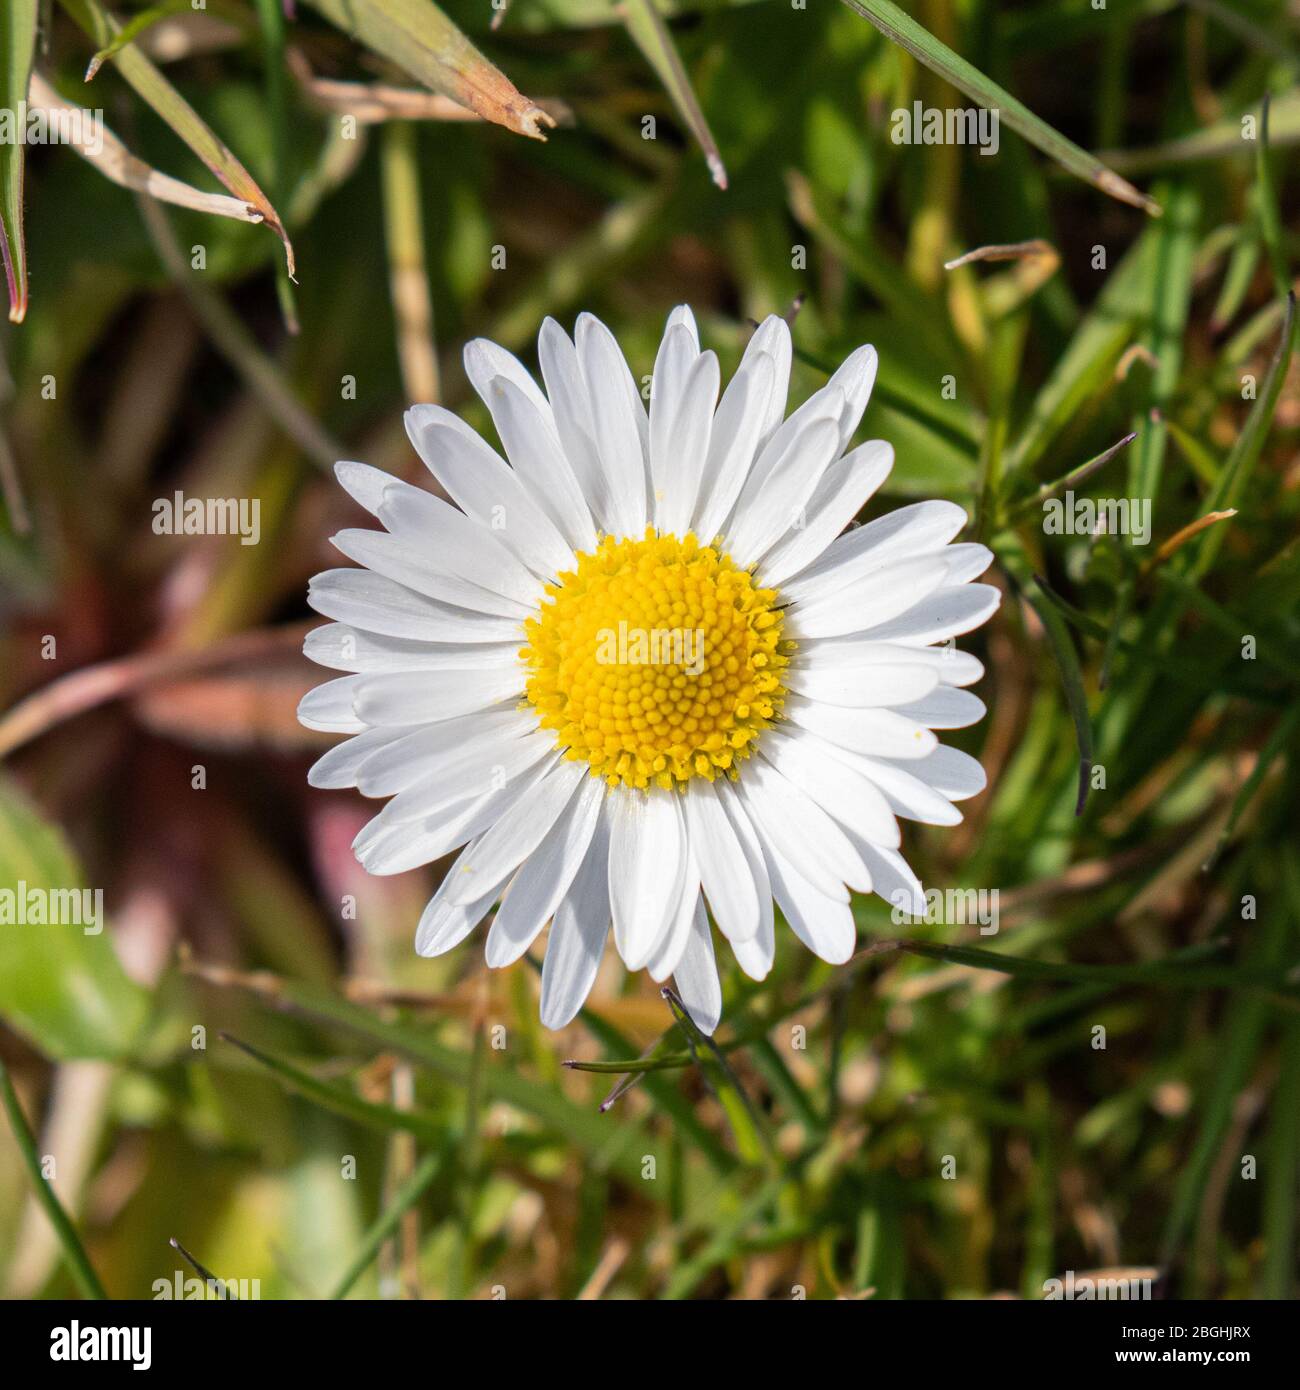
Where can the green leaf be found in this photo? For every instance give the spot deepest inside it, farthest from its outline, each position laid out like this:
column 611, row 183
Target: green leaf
column 418, row 37
column 60, row 986
column 17, row 45
column 902, row 29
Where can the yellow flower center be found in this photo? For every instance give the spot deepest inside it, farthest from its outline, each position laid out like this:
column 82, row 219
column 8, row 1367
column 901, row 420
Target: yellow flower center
column 656, row 660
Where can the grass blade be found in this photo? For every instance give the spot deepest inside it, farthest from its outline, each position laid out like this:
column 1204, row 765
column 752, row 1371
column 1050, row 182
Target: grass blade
column 418, row 37
column 751, row 1138
column 150, row 84
column 146, row 19
column 902, row 29
column 652, row 36
column 17, row 44
column 617, row 1146
column 382, row 1117
column 404, row 1199
column 112, row 159
column 1171, row 974
column 1245, row 451
column 74, row 1252
column 1067, row 661
column 1085, row 368
column 1270, row 219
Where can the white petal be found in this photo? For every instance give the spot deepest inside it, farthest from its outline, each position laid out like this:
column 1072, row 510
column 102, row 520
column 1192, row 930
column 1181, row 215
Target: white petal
column 464, row 754
column 696, row 976
column 679, row 350
column 485, row 487
column 390, row 846
column 772, row 500
column 617, row 417
column 967, row 562
column 485, row 361
column 861, row 686
column 443, row 781
column 945, row 708
column 955, row 774
column 364, row 484
column 444, row 924
column 378, row 604
column 724, row 867
column 733, row 441
column 893, row 880
column 755, row 953
column 675, row 939
column 856, row 656
column 412, row 565
column 876, row 732
column 823, row 924
column 688, row 447
column 518, row 833
column 861, row 606
column 339, row 767
column 454, row 544
column 647, row 862
column 534, row 450
column 578, row 934
column 544, row 877
column 329, row 707
column 771, row 337
column 346, row 648
column 845, row 395
column 682, row 314
column 571, row 407
column 855, row 377
column 947, row 613
column 919, row 529
column 844, row 489
column 792, row 823
column 415, row 697
column 908, row 794
column 835, row 785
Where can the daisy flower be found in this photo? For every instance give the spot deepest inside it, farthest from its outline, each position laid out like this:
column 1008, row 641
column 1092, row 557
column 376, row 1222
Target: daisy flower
column 640, row 674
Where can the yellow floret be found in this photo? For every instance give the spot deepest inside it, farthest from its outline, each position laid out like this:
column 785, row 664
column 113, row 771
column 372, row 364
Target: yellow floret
column 656, row 660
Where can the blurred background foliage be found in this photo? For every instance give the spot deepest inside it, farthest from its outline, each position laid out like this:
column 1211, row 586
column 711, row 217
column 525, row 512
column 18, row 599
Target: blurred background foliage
column 371, row 1122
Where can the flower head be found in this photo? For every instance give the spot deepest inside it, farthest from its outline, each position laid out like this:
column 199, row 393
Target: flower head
column 641, row 672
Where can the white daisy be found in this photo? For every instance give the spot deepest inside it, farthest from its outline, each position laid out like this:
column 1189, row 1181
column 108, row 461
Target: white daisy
column 641, row 672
